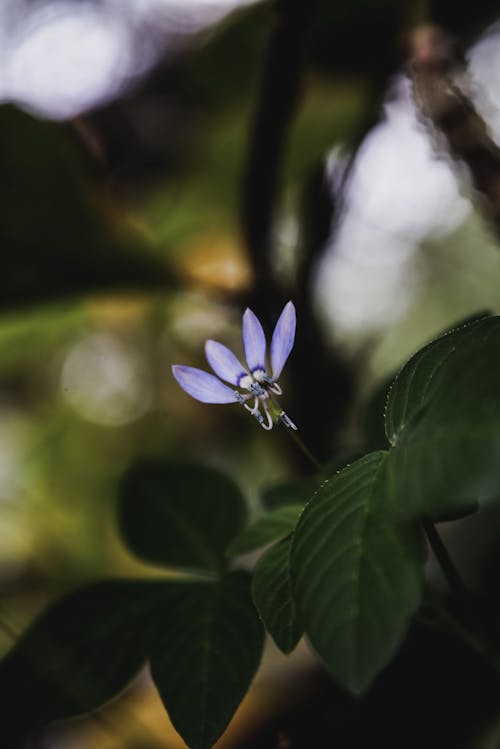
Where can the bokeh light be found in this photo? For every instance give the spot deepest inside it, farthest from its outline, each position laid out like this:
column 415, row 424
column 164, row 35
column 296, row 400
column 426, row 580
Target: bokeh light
column 105, row 381
column 399, row 193
column 59, row 58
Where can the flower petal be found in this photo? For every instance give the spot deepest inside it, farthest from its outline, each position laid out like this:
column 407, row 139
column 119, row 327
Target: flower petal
column 202, row 385
column 254, row 341
column 283, row 338
column 224, row 363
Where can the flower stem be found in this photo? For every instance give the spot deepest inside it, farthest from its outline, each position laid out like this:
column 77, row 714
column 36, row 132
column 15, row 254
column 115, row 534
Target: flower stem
column 293, row 434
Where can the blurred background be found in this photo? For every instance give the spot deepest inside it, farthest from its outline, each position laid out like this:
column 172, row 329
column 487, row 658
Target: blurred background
column 165, row 163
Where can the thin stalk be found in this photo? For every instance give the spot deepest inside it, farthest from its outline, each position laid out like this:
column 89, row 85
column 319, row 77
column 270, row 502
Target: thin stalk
column 298, row 441
column 444, row 560
column 471, row 638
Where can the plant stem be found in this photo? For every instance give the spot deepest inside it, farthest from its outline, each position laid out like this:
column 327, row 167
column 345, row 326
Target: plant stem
column 298, row 441
column 470, row 637
column 444, row 560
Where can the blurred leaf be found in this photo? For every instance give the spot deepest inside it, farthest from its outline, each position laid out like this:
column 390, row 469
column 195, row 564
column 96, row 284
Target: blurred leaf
column 209, row 648
column 30, row 336
column 241, row 37
column 296, row 492
column 269, row 527
column 356, row 571
column 79, row 653
column 56, row 238
column 443, row 420
column 272, row 594
column 180, row 514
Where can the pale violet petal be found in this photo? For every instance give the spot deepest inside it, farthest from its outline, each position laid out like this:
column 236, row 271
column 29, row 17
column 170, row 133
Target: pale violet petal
column 254, row 341
column 202, row 385
column 224, row 363
column 283, row 339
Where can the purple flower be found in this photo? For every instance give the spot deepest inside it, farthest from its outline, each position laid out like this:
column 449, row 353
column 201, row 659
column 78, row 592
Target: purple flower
column 253, row 382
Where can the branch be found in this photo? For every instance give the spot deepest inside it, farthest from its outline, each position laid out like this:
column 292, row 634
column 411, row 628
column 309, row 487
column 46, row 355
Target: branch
column 277, row 100
column 438, row 76
column 314, row 370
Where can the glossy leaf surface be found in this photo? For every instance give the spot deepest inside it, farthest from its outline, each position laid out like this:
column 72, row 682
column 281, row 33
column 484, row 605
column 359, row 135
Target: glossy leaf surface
column 356, row 572
column 272, row 594
column 443, row 420
column 206, row 656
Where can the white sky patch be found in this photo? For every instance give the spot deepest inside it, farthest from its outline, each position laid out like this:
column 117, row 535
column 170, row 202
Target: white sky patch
column 59, row 58
column 400, row 192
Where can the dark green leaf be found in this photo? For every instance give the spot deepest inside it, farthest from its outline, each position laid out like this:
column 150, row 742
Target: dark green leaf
column 392, row 395
column 272, row 594
column 209, row 648
column 356, row 572
column 269, row 527
column 180, row 514
column 443, row 419
column 416, row 383
column 79, row 653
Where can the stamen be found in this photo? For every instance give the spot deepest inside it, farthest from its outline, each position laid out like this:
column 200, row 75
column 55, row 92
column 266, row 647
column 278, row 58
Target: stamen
column 269, row 424
column 272, row 385
column 259, row 417
column 256, row 389
column 286, row 421
column 255, row 406
column 241, row 398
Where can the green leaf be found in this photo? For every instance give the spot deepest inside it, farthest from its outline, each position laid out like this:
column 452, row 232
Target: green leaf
column 356, row 572
column 180, row 514
column 271, row 526
column 79, row 653
column 443, row 420
column 207, row 654
column 272, row 594
column 416, row 383
column 296, row 492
